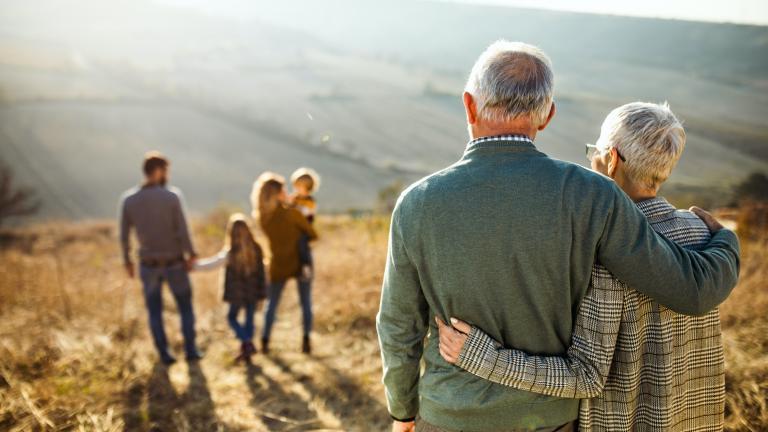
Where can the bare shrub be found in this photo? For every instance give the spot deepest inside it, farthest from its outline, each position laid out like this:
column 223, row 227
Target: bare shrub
column 15, row 201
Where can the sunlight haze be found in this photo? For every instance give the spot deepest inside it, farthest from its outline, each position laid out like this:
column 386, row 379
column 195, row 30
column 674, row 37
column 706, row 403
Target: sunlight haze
column 737, row 11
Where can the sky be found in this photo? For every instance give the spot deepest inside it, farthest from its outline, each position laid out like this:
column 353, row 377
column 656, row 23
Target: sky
column 735, row 11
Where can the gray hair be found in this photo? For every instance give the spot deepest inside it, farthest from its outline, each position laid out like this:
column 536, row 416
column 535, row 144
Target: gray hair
column 512, row 79
column 648, row 136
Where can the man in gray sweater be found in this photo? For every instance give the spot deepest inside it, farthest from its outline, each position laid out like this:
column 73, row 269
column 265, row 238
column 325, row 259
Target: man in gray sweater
column 166, row 253
column 506, row 239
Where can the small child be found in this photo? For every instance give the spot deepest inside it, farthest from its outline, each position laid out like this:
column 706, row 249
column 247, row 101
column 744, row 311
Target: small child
column 305, row 182
column 244, row 280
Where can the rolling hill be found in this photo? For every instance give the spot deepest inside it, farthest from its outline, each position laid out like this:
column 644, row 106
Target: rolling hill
column 365, row 92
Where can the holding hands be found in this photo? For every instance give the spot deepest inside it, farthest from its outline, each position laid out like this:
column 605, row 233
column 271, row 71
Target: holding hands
column 189, row 263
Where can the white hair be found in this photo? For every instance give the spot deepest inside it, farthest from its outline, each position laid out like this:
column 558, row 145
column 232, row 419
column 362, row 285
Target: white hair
column 648, row 136
column 510, row 80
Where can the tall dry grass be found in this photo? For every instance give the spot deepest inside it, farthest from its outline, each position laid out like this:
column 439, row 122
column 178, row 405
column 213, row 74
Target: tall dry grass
column 75, row 353
column 745, row 327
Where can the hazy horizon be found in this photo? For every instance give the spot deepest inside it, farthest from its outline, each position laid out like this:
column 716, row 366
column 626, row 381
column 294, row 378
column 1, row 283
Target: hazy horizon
column 749, row 12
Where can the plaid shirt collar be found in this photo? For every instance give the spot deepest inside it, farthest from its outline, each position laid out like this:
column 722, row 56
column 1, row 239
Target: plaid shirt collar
column 655, row 207
column 500, row 142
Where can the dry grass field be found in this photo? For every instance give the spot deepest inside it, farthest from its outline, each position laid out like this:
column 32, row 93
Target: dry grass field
column 75, row 353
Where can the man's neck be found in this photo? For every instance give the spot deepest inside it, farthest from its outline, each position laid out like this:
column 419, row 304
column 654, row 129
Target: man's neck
column 523, row 128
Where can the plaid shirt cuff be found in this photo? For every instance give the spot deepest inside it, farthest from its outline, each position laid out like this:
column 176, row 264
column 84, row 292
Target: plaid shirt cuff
column 479, row 354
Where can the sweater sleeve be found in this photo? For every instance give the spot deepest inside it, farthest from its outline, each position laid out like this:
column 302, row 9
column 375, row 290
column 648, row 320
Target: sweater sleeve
column 182, row 230
column 402, row 325
column 687, row 281
column 125, row 232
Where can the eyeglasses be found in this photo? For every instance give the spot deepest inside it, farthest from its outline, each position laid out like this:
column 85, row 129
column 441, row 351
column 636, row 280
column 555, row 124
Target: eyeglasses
column 592, row 150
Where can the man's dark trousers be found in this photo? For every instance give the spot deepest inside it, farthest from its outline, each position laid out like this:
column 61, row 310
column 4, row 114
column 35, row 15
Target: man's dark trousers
column 178, row 280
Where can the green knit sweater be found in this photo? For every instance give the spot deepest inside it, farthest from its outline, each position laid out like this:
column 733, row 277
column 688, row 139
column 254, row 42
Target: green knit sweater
column 506, row 239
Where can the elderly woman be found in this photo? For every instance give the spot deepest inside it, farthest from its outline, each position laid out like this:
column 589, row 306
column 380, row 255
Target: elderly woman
column 636, row 364
column 284, row 228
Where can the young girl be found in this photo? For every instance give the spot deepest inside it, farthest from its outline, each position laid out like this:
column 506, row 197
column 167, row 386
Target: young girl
column 244, row 279
column 284, row 227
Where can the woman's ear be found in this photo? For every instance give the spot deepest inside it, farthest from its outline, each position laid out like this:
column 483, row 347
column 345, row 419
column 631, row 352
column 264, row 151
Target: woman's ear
column 613, row 163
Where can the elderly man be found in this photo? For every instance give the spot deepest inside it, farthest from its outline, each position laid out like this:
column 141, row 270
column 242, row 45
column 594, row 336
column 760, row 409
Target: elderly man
column 645, row 366
column 506, row 239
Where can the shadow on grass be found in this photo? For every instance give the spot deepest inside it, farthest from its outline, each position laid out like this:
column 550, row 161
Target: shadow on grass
column 348, row 401
column 277, row 408
column 198, row 404
column 161, row 403
column 165, row 409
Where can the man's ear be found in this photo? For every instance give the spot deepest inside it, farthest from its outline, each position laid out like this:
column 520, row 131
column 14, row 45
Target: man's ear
column 552, row 111
column 470, row 108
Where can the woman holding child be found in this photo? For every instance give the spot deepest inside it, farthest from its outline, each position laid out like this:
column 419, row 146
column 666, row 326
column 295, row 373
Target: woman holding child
column 287, row 224
column 288, row 230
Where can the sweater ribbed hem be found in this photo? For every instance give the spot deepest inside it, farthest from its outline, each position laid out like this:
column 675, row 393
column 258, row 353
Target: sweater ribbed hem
column 534, row 415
